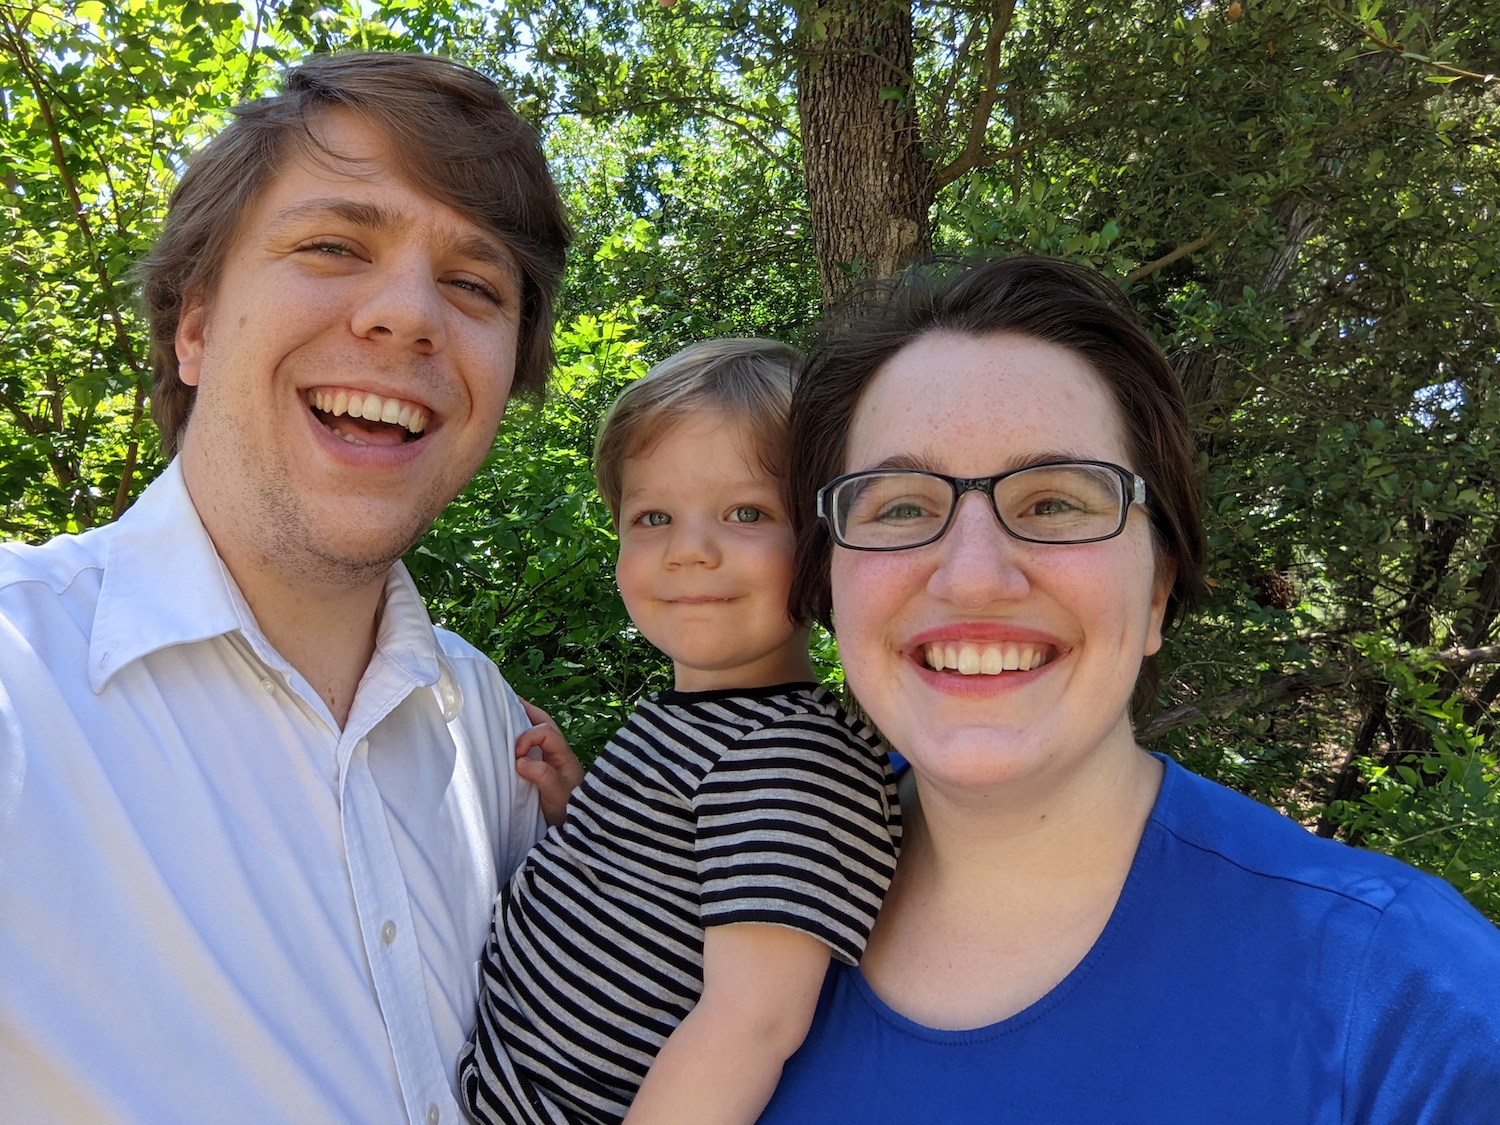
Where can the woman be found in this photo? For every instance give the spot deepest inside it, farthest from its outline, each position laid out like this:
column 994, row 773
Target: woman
column 1079, row 931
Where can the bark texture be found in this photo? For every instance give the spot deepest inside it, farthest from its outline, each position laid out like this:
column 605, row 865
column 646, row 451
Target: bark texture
column 870, row 188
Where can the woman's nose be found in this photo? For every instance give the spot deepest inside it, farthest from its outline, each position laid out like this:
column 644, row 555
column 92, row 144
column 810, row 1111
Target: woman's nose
column 979, row 562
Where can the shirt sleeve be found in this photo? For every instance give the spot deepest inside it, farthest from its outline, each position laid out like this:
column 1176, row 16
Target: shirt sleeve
column 797, row 826
column 1424, row 1045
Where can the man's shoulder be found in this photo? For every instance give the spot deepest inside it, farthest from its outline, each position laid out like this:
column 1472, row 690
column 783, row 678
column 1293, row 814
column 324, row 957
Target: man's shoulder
column 63, row 575
column 56, row 563
column 455, row 649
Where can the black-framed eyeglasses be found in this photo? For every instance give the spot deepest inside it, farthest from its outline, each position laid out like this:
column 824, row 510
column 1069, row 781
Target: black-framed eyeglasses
column 1057, row 502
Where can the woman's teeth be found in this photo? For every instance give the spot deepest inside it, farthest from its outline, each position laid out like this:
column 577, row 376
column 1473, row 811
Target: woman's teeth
column 984, row 660
column 374, row 408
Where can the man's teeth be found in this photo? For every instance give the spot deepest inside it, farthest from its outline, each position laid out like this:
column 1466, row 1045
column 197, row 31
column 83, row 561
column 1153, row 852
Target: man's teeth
column 373, row 407
column 984, row 660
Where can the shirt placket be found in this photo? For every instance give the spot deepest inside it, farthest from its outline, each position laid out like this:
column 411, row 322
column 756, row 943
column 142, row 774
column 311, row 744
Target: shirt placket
column 383, row 907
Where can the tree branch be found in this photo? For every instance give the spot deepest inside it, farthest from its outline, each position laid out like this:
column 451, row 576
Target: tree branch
column 1267, row 692
column 1458, row 659
column 1167, row 259
column 1279, row 689
column 1379, row 115
column 988, row 94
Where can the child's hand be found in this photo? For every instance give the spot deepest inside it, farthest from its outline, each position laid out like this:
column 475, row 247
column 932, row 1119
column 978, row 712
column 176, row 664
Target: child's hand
column 543, row 758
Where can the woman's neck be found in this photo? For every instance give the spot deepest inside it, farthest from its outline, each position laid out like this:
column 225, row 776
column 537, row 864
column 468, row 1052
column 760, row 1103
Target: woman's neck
column 1000, row 900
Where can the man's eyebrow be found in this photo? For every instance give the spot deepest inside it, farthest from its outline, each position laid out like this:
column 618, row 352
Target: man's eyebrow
column 488, row 251
column 386, row 220
column 361, row 213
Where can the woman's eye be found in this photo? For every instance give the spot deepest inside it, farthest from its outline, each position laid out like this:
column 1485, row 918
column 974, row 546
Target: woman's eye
column 746, row 514
column 906, row 510
column 1053, row 506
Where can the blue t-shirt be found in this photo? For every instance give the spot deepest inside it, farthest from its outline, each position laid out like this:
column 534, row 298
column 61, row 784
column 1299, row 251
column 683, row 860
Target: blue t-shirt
column 1250, row 972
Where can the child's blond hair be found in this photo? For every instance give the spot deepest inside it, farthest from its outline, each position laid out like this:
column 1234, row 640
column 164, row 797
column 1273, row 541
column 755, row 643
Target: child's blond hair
column 749, row 380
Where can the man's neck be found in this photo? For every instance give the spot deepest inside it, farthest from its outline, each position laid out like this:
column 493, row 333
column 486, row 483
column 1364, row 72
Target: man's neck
column 324, row 629
column 329, row 637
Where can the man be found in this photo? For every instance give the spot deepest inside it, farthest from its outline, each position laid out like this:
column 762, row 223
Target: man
column 253, row 807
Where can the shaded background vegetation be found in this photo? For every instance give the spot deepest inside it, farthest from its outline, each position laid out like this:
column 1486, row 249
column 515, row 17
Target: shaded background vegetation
column 1300, row 198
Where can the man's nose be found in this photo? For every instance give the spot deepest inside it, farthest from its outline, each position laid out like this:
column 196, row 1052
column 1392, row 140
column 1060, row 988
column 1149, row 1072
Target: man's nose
column 402, row 304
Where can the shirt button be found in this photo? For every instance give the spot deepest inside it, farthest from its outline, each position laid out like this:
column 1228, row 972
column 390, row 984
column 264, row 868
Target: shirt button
column 268, row 687
column 432, row 1115
column 388, row 932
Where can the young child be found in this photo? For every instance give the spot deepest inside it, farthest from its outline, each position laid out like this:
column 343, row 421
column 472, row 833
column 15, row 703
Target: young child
column 661, row 951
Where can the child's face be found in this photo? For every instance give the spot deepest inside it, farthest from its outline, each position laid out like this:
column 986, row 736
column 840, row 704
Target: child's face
column 706, row 558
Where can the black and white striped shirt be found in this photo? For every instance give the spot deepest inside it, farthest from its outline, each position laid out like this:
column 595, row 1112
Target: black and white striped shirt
column 706, row 809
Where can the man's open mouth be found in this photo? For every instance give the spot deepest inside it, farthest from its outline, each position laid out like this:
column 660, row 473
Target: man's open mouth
column 969, row 659
column 367, row 419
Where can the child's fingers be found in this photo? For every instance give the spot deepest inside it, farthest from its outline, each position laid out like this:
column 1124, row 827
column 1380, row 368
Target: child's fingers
column 536, row 714
column 532, row 738
column 533, row 770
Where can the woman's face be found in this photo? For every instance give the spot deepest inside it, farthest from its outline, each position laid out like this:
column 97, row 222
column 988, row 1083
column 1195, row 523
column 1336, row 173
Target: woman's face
column 971, row 406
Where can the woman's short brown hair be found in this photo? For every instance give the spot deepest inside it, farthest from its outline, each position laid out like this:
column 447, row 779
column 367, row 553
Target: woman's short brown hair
column 1042, row 298
column 749, row 380
column 451, row 135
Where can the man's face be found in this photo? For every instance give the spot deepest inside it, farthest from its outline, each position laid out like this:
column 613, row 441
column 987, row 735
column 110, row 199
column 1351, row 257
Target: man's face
column 347, row 292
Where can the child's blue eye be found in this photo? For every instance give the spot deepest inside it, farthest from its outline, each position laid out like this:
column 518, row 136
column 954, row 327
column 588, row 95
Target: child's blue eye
column 747, row 514
column 655, row 519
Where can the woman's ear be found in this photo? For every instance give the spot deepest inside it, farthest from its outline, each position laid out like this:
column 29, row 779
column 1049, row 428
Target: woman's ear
column 188, row 341
column 1161, row 590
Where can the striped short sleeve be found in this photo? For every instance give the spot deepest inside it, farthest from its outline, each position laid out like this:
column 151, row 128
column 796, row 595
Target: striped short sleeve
column 796, row 827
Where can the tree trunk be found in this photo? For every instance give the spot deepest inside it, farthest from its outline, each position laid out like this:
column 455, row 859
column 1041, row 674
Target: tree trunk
column 870, row 187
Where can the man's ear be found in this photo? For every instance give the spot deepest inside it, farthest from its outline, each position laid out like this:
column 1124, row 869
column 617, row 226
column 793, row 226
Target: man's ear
column 188, row 341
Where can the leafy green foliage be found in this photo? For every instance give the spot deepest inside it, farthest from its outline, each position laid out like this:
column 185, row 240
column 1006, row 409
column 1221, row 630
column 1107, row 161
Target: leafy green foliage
column 1304, row 218
column 1299, row 198
column 522, row 563
column 99, row 106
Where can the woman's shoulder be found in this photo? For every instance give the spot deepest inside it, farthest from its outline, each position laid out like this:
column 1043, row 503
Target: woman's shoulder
column 1257, row 844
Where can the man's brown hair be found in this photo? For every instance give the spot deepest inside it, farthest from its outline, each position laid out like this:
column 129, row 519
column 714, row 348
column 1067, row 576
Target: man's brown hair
column 451, row 135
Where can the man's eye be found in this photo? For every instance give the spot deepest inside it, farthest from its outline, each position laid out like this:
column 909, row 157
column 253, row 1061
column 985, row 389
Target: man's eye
column 471, row 285
column 747, row 514
column 332, row 249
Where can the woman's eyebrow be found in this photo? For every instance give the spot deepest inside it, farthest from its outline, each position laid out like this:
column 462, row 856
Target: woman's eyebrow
column 930, row 463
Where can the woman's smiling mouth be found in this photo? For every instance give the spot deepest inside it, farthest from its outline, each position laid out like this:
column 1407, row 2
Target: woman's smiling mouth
column 970, row 659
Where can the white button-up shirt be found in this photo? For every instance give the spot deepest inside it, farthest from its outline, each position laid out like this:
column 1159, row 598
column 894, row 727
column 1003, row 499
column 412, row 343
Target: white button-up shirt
column 215, row 905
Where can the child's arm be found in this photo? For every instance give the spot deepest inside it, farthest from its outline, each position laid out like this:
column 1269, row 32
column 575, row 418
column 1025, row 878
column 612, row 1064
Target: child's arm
column 760, row 989
column 554, row 771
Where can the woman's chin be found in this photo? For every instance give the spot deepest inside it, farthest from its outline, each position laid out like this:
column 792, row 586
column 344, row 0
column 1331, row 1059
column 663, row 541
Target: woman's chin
column 974, row 761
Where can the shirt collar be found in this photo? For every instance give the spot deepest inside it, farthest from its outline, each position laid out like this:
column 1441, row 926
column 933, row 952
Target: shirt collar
column 164, row 584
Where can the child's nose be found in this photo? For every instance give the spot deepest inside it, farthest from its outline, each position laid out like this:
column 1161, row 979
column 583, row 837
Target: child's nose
column 691, row 543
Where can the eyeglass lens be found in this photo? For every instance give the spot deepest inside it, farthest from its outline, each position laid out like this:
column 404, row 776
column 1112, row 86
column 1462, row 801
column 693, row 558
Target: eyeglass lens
column 1048, row 504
